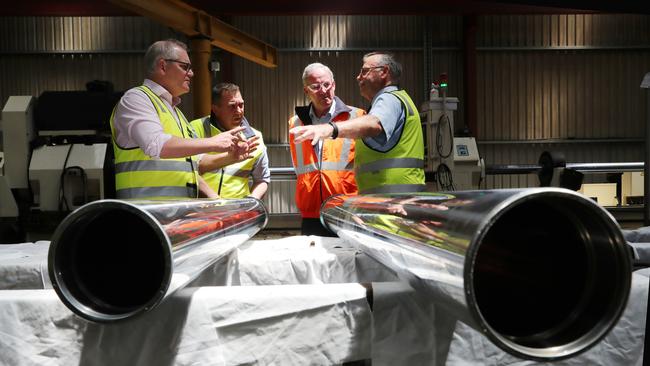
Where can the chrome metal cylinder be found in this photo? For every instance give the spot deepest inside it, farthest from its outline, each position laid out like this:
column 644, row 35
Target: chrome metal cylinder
column 111, row 260
column 544, row 273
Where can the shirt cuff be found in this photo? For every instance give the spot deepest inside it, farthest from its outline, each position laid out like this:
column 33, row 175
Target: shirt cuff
column 156, row 145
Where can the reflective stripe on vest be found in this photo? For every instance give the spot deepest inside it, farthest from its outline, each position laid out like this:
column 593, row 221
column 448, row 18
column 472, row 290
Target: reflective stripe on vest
column 237, row 172
column 139, row 176
column 152, row 192
column 401, row 169
column 152, row 165
column 378, row 165
column 340, row 165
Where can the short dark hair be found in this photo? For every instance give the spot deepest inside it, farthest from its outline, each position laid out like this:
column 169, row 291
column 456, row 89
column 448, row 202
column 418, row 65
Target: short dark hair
column 221, row 88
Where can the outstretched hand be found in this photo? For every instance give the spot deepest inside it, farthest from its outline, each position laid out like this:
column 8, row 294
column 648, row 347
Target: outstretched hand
column 314, row 133
column 244, row 150
column 228, row 140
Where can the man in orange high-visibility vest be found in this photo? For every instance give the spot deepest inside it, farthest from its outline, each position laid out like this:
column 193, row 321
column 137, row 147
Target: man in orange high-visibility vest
column 327, row 167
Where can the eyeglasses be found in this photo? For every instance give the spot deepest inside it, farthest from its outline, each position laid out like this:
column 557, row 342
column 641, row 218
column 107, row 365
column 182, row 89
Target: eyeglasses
column 186, row 66
column 317, row 86
column 365, row 70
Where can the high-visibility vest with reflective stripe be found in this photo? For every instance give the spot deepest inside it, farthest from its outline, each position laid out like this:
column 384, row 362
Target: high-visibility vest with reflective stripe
column 401, row 169
column 139, row 176
column 230, row 181
column 335, row 174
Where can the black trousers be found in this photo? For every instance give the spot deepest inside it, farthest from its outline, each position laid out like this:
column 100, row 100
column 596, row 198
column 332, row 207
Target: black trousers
column 312, row 226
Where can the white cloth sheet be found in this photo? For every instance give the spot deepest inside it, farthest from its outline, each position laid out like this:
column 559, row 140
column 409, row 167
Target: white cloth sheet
column 623, row 345
column 24, row 266
column 290, row 301
column 306, row 260
column 266, row 325
column 327, row 322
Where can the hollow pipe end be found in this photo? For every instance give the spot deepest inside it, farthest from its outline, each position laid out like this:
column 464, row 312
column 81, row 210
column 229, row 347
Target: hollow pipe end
column 548, row 275
column 110, row 260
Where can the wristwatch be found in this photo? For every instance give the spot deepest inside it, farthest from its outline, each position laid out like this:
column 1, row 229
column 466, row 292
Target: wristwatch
column 335, row 131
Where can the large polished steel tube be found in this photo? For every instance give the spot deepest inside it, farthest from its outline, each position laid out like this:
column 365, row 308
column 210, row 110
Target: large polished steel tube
column 111, row 260
column 544, row 273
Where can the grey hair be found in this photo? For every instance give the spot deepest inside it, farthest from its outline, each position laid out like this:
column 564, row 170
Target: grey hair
column 394, row 67
column 167, row 49
column 313, row 67
column 219, row 89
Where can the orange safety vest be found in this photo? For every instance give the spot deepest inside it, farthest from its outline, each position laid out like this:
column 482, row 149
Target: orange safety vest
column 335, row 175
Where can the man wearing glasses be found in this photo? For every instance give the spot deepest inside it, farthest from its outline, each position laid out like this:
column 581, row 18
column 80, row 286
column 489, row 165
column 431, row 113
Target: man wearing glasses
column 323, row 168
column 389, row 143
column 153, row 142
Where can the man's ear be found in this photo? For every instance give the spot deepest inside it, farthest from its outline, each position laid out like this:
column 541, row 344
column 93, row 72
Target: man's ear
column 162, row 65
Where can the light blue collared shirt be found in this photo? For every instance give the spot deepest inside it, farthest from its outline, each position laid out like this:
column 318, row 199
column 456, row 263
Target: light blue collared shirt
column 326, row 118
column 388, row 108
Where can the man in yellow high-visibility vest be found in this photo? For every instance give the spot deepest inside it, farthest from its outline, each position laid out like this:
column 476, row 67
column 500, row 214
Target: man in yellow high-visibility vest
column 153, row 142
column 229, row 176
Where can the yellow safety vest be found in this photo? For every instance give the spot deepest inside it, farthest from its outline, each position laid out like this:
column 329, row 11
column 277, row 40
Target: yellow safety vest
column 139, row 176
column 401, row 169
column 230, row 181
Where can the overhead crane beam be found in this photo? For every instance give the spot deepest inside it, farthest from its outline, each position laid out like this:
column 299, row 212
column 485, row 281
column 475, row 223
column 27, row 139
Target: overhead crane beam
column 197, row 23
column 203, row 30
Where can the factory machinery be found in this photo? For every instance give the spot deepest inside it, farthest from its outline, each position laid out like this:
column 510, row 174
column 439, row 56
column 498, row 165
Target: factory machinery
column 450, row 162
column 56, row 156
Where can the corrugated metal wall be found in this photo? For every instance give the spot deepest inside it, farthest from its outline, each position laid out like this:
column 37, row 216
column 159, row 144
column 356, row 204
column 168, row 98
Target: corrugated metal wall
column 64, row 53
column 573, row 79
column 567, row 30
column 567, row 82
column 561, row 94
column 81, row 34
column 339, row 32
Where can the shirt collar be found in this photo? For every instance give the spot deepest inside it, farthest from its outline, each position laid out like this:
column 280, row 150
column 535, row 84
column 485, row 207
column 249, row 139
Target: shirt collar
column 326, row 117
column 385, row 89
column 160, row 91
column 216, row 123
